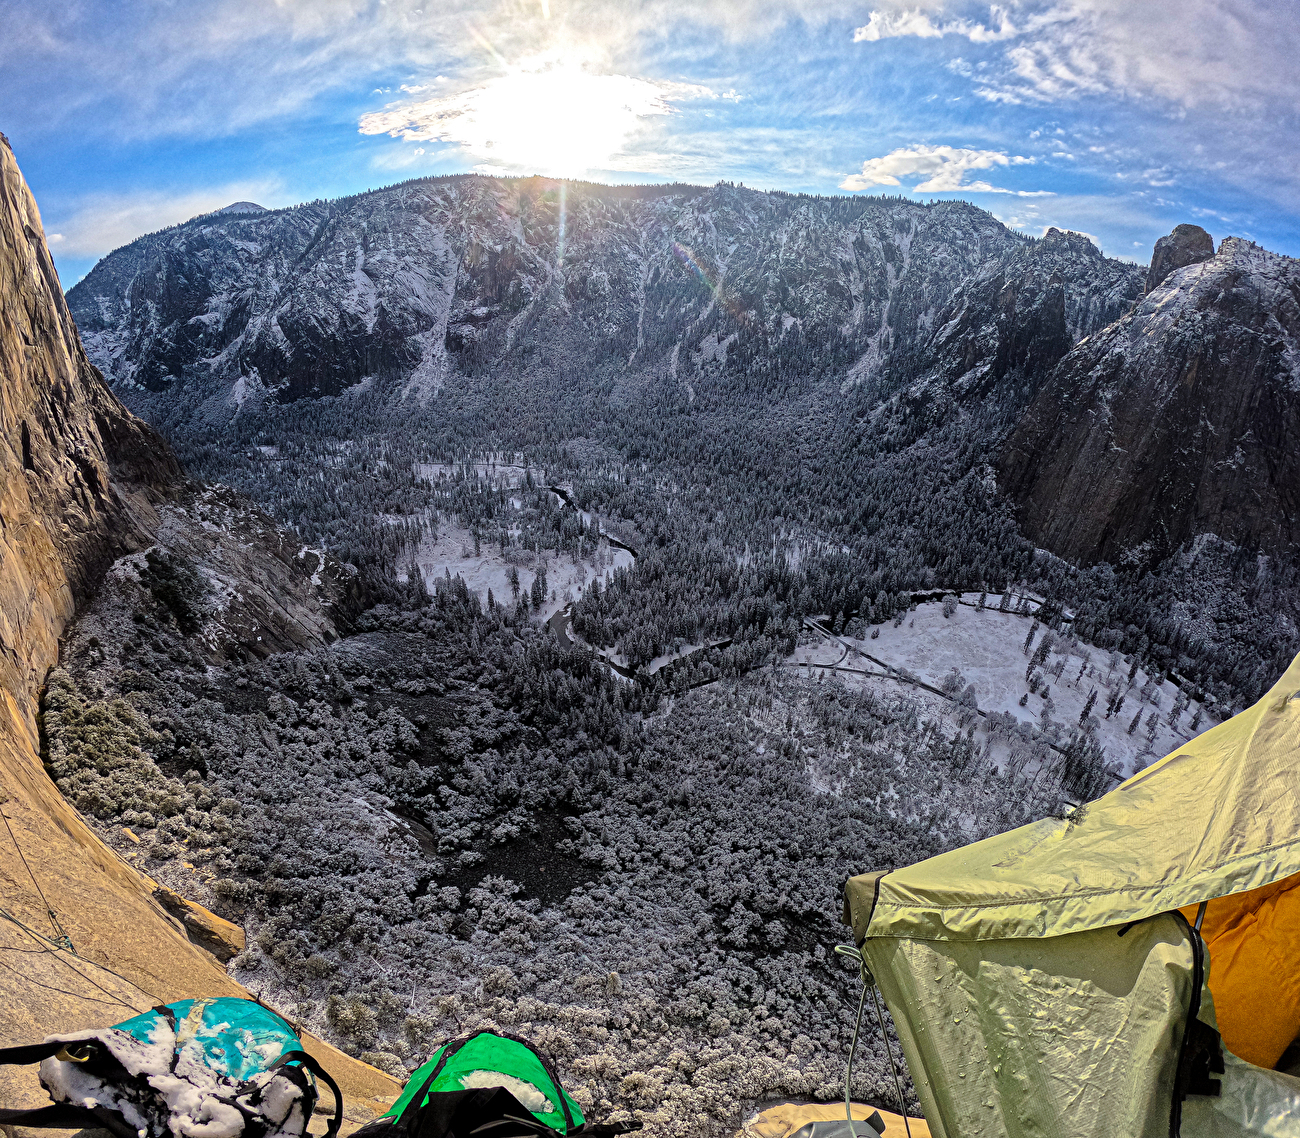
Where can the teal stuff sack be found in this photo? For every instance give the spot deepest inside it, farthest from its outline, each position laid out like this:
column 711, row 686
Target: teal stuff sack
column 211, row 1068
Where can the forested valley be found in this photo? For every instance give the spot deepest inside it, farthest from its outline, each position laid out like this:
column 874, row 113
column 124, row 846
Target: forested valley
column 748, row 510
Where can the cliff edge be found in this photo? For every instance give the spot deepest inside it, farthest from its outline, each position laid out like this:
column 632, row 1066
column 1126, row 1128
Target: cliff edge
column 83, row 939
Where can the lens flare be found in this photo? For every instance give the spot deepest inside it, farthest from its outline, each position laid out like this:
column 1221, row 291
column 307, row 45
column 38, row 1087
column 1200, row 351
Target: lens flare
column 559, row 245
column 688, row 258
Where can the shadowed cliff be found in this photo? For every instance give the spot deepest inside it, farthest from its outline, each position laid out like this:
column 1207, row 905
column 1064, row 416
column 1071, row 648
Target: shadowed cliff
column 1182, row 418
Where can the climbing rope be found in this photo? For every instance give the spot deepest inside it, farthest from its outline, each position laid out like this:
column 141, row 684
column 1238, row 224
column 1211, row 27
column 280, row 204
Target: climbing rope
column 868, row 981
column 61, row 941
column 60, row 934
column 54, row 948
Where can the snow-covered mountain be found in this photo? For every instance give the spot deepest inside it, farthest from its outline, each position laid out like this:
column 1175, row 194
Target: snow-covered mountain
column 1015, row 318
column 416, row 282
column 1182, row 418
column 1150, row 418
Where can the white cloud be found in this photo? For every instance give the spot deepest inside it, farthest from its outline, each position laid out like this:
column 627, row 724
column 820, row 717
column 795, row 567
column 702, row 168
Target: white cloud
column 886, row 24
column 942, row 168
column 1199, row 72
column 994, row 95
column 550, row 115
column 99, row 223
column 1239, row 55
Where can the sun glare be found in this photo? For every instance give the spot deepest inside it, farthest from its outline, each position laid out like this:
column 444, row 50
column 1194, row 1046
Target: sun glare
column 548, row 118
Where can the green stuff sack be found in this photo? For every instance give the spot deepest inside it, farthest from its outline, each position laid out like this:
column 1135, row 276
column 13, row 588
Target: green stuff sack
column 487, row 1084
column 485, row 1060
column 212, row 1068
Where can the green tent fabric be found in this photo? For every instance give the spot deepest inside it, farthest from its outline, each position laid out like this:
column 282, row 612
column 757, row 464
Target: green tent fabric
column 489, row 1059
column 1043, row 981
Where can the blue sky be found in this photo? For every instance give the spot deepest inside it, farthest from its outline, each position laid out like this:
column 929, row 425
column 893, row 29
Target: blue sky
column 1117, row 118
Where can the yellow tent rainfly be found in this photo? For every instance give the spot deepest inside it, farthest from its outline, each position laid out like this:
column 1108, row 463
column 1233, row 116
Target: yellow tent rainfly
column 1052, row 981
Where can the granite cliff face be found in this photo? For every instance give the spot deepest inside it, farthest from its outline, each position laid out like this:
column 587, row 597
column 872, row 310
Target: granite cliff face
column 80, row 483
column 1186, row 245
column 1182, row 418
column 85, row 486
column 80, row 476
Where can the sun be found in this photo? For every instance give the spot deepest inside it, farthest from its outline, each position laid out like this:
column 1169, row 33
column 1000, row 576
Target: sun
column 547, row 116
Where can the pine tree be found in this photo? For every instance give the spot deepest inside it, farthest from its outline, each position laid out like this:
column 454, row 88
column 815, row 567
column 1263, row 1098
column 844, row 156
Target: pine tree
column 1033, row 631
column 1087, row 707
column 1176, row 712
column 1136, row 720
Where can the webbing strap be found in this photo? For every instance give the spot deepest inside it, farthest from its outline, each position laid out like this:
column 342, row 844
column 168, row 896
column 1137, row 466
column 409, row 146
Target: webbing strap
column 170, row 1016
column 30, row 1053
column 68, row 1116
column 308, row 1063
column 59, row 1115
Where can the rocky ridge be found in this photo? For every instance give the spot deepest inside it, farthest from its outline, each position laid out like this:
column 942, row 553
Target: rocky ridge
column 1186, row 245
column 441, row 280
column 1179, row 419
column 1011, row 322
column 420, row 281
